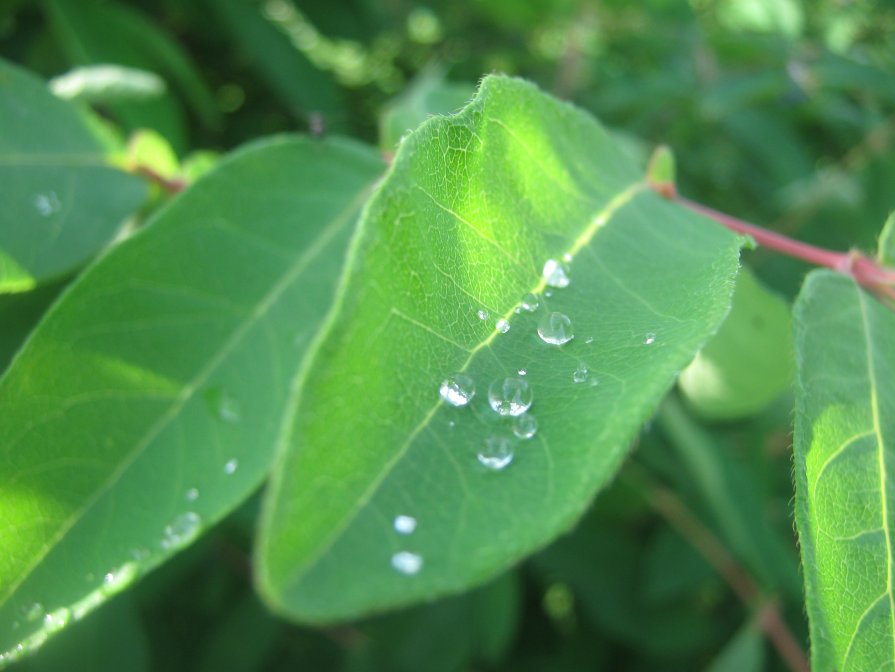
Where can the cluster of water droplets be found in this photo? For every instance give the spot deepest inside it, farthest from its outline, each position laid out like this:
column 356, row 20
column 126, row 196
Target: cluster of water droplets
column 406, row 562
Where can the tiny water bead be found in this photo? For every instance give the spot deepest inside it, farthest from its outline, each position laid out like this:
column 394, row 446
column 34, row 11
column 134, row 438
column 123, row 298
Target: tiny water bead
column 405, row 524
column 523, row 372
column 555, row 329
column 231, row 466
column 579, row 375
column 503, row 326
column 192, row 495
column 56, row 620
column 649, row 339
column 457, row 390
column 525, row 426
column 483, row 315
column 118, row 579
column 407, row 563
column 222, row 404
column 529, row 303
column 182, row 530
column 556, row 274
column 47, row 204
column 510, row 396
column 496, row 454
column 589, row 340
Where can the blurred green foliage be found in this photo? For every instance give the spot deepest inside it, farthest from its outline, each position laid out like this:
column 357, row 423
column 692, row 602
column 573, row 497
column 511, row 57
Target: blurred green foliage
column 778, row 111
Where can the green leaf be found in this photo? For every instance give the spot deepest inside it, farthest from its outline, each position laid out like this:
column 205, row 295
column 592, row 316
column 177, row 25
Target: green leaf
column 427, row 96
column 289, row 73
column 746, row 364
column 743, row 653
column 844, row 456
column 62, row 202
column 886, row 250
column 474, row 206
column 145, row 405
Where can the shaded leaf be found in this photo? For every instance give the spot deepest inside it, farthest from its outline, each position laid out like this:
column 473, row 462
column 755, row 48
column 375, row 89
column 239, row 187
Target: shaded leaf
column 844, row 456
column 747, row 364
column 474, row 206
column 145, row 405
column 745, row 652
column 62, row 202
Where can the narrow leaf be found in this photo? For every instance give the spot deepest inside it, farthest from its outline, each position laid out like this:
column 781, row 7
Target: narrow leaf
column 62, row 202
column 449, row 249
column 145, row 405
column 844, row 458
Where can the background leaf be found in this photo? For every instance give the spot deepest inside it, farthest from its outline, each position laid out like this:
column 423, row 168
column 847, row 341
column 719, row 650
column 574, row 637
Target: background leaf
column 145, row 405
column 844, row 452
column 746, row 364
column 473, row 208
column 62, row 202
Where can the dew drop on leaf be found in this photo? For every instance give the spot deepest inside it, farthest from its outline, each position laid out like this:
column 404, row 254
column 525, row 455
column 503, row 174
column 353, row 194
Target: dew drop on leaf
column 525, row 426
column 556, row 274
column 529, row 303
column 502, row 326
column 483, row 315
column 56, row 620
column 555, row 329
column 118, row 579
column 496, row 454
column 182, row 530
column 222, row 405
column 231, row 466
column 47, row 204
column 192, row 495
column 649, row 339
column 457, row 390
column 404, row 524
column 579, row 375
column 510, row 396
column 523, row 372
column 407, row 563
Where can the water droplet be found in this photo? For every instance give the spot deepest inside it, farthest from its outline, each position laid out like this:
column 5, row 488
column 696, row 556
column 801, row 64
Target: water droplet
column 192, row 495
column 523, row 372
column 483, row 315
column 497, row 453
column 56, row 620
column 457, row 390
column 47, row 204
column 405, row 524
column 407, row 563
column 33, row 612
column 579, row 375
column 649, row 339
column 231, row 465
column 555, row 329
column 525, row 426
column 222, row 404
column 451, row 424
column 510, row 396
column 589, row 340
column 119, row 579
column 140, row 553
column 502, row 326
column 181, row 531
column 567, row 257
column 556, row 274
column 529, row 303
column 548, row 293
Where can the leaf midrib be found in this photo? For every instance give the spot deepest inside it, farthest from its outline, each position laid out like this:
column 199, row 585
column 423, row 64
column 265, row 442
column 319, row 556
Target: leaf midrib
column 596, row 223
column 344, row 217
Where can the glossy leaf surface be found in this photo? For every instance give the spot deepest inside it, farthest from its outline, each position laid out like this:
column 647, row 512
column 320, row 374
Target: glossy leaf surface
column 844, row 459
column 62, row 202
column 459, row 233
column 145, row 405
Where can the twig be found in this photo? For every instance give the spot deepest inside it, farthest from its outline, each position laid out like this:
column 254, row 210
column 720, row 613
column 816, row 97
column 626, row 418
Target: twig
column 170, row 185
column 667, row 504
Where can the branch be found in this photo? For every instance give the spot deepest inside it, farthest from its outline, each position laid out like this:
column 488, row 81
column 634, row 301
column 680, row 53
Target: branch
column 171, row 186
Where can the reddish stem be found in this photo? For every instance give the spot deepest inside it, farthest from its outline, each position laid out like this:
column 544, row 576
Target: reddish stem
column 865, row 270
column 171, row 186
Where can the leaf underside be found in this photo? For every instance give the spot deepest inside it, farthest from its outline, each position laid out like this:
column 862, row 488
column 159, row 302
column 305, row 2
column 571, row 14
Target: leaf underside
column 145, row 406
column 473, row 207
column 844, row 459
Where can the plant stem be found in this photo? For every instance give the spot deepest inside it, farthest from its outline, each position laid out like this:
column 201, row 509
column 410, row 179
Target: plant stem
column 864, row 269
column 171, row 186
column 667, row 504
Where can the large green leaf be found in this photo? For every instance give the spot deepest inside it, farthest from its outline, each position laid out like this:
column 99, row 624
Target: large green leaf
column 844, row 459
column 61, row 200
column 145, row 405
column 473, row 208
